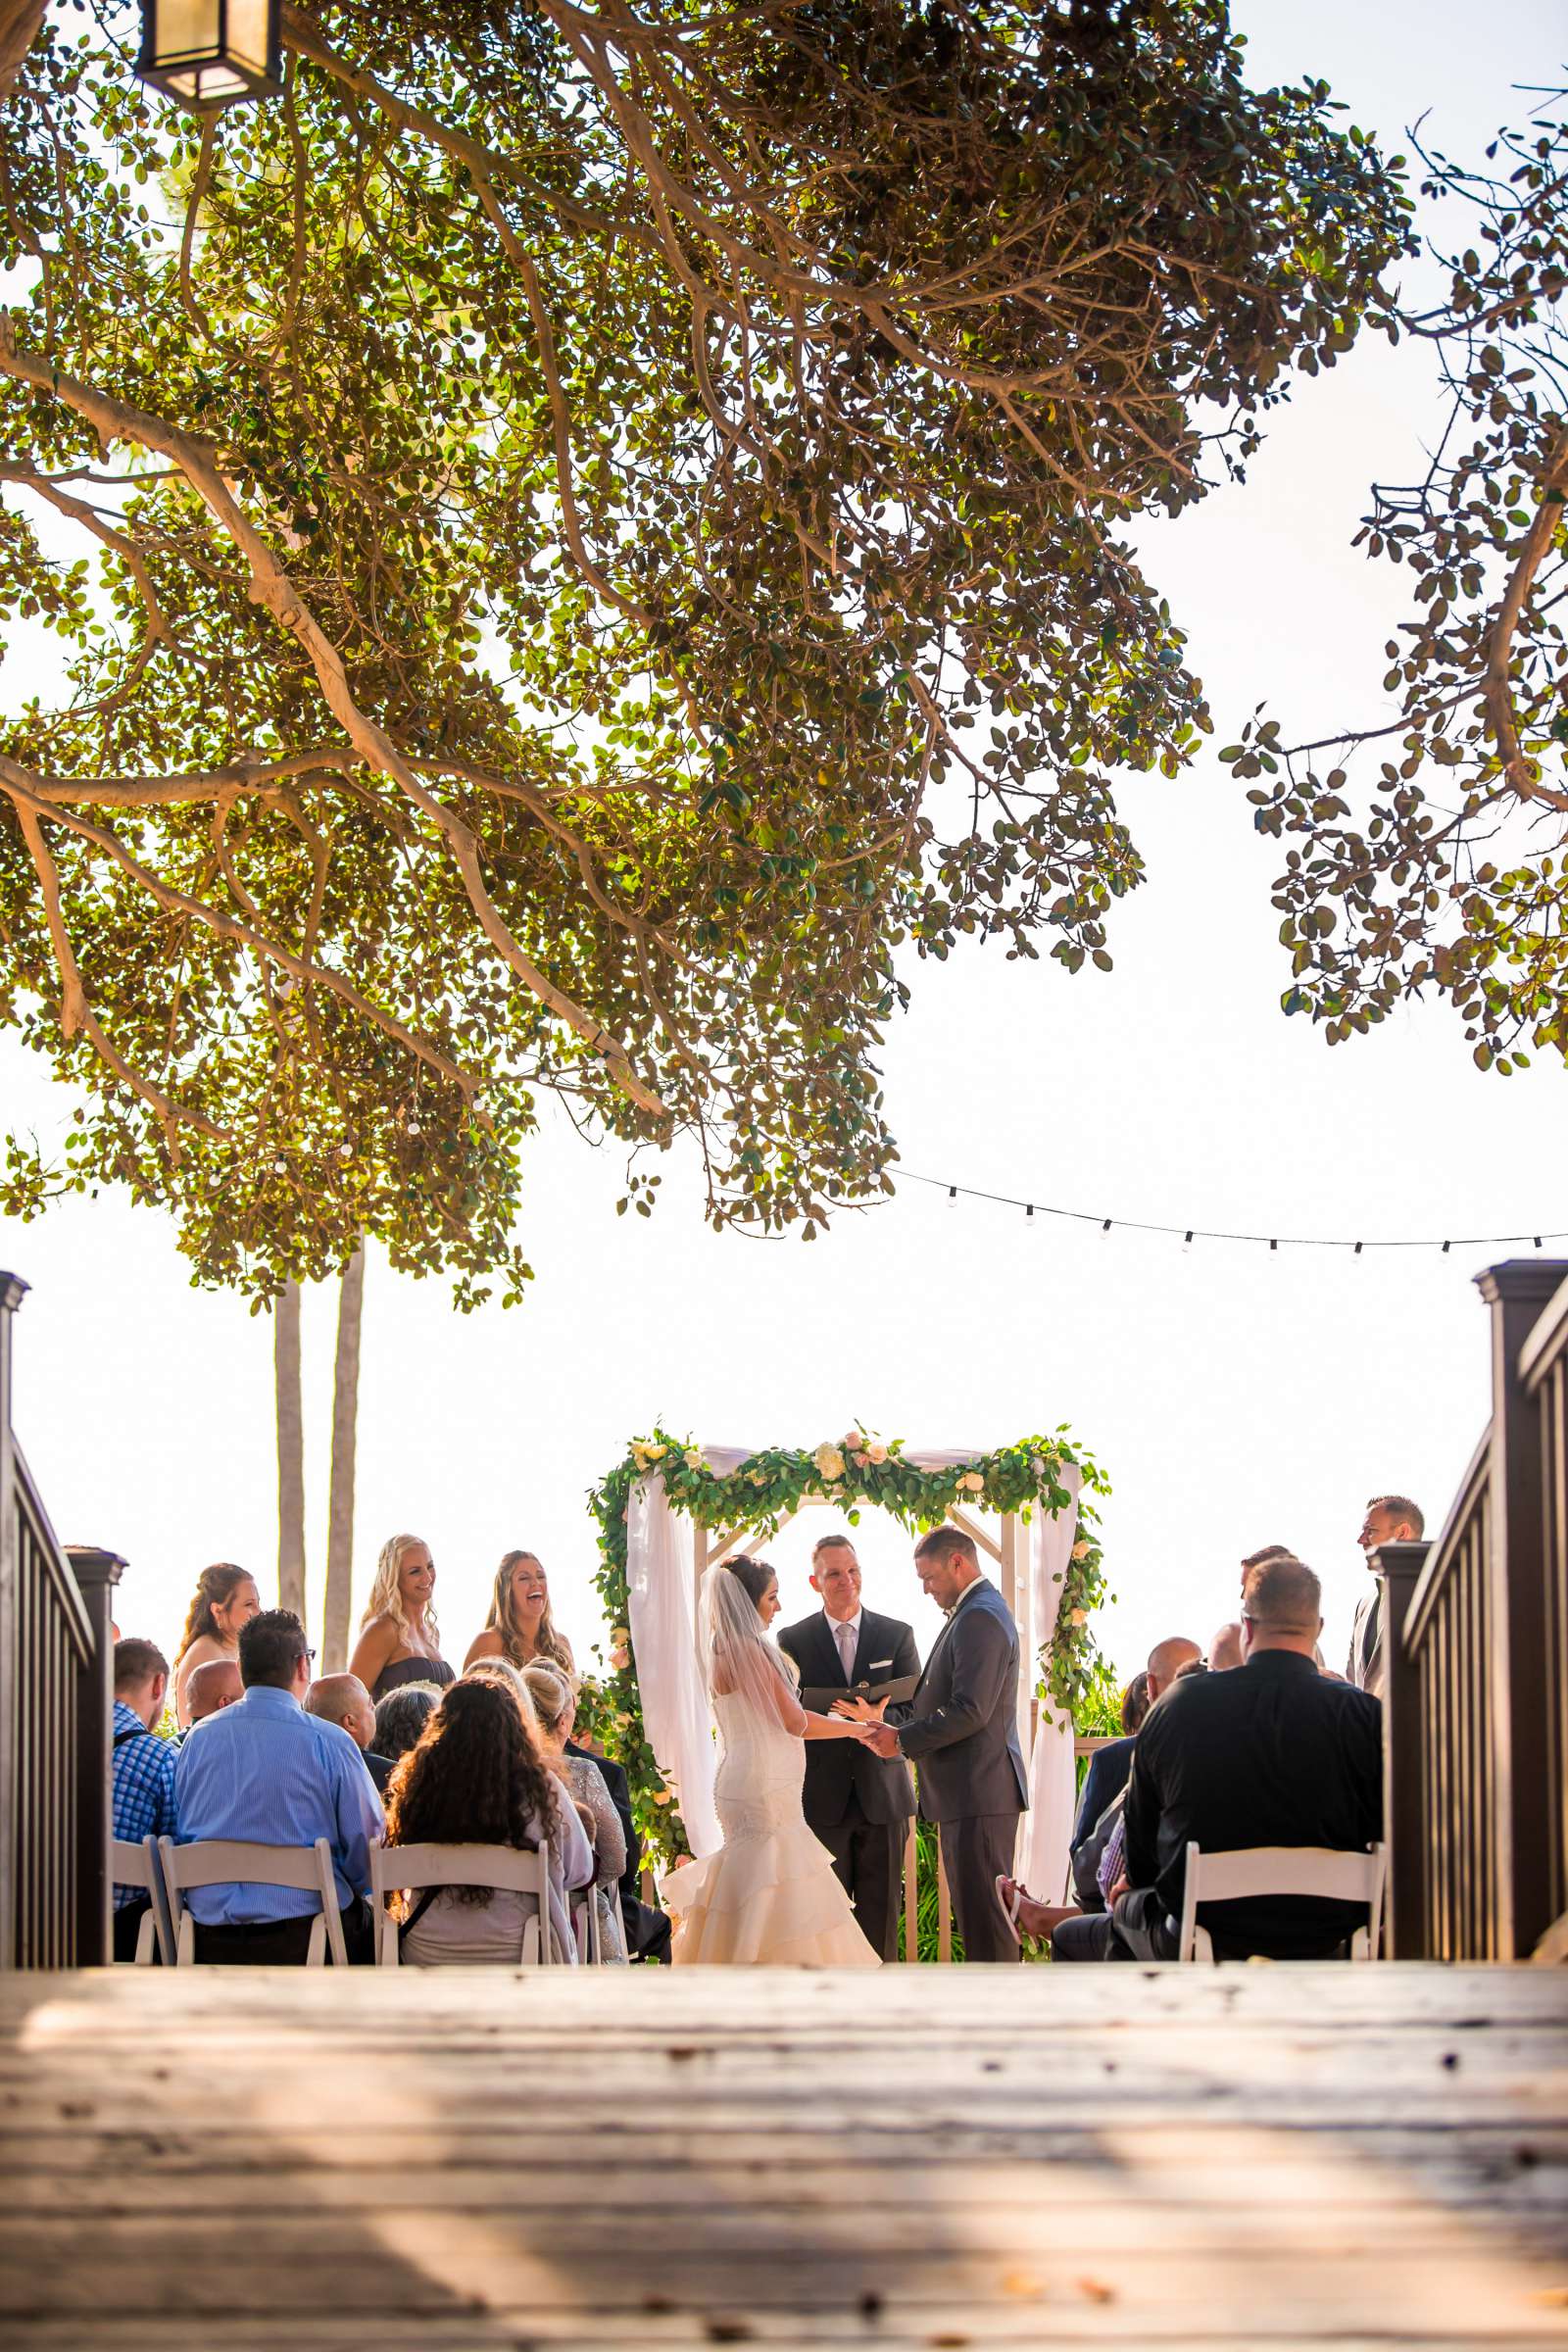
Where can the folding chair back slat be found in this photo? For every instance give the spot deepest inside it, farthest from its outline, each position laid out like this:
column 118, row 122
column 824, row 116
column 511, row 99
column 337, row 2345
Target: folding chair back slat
column 1321, row 1870
column 588, row 1926
column 221, row 1861
column 509, row 1868
column 133, row 1862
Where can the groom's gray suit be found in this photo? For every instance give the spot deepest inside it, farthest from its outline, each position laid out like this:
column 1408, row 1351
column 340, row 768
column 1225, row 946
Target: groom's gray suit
column 963, row 1736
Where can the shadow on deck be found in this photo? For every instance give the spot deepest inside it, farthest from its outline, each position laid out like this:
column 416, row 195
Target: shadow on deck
column 1254, row 2156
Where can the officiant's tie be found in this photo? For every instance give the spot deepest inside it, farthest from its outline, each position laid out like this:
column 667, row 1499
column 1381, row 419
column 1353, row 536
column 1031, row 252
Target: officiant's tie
column 844, row 1636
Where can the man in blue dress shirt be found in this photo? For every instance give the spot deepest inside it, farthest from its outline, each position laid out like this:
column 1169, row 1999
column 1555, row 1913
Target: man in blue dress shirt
column 264, row 1770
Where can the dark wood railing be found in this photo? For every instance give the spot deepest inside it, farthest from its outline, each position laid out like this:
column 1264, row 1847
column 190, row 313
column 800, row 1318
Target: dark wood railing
column 55, row 1714
column 1476, row 1661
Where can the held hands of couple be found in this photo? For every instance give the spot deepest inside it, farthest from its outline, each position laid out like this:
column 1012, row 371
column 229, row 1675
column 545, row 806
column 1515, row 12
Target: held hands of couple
column 872, row 1732
column 860, row 1710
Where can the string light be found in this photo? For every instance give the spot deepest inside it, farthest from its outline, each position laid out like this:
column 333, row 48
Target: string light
column 1188, row 1233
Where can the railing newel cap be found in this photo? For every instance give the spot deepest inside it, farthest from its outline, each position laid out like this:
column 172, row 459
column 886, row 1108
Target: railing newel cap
column 94, row 1564
column 12, row 1290
column 1398, row 1559
column 1536, row 1279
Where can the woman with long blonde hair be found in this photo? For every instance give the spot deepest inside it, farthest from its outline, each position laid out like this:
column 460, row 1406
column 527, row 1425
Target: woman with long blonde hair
column 400, row 1641
column 519, row 1626
column 225, row 1599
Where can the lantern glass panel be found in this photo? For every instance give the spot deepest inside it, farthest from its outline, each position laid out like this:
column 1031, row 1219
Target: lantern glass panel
column 247, row 35
column 183, row 30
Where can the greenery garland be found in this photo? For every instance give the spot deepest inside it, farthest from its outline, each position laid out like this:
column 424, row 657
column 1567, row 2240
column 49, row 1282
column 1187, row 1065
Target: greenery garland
column 763, row 1493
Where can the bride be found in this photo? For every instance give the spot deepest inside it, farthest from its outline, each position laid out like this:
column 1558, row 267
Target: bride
column 768, row 1897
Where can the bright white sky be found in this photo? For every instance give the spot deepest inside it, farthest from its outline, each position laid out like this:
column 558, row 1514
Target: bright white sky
column 1233, row 1397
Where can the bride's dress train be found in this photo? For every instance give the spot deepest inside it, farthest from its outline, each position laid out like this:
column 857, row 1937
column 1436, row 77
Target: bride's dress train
column 769, row 1897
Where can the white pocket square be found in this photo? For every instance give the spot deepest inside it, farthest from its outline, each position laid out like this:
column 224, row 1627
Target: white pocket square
column 878, row 1663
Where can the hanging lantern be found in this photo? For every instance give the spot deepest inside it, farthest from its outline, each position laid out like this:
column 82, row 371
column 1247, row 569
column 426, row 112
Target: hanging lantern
column 210, row 52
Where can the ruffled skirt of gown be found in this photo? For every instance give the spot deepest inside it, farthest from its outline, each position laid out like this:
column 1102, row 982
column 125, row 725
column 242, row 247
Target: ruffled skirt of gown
column 769, row 1897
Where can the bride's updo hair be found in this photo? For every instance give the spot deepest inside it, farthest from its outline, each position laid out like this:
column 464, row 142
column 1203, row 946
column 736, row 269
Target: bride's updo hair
column 753, row 1576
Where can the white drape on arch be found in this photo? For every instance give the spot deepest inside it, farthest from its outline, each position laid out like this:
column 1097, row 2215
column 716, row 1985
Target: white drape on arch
column 1046, row 1831
column 679, row 1721
column 661, row 1612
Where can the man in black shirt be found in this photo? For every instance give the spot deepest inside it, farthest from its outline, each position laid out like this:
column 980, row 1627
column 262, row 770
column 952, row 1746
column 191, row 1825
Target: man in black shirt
column 1272, row 1755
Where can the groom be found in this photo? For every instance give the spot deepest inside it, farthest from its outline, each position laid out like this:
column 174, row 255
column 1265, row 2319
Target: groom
column 964, row 1735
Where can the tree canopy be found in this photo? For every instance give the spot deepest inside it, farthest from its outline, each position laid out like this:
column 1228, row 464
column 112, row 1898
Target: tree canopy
column 1447, row 872
column 578, row 533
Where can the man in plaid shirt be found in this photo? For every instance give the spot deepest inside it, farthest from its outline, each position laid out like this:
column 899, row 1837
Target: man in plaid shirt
column 143, row 1768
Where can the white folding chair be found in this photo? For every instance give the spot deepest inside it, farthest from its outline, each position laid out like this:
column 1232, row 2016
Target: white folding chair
column 1320, row 1870
column 408, row 1869
column 133, row 1862
column 219, row 1861
column 588, row 1926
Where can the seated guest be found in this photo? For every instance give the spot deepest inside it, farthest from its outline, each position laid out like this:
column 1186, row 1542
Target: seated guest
column 400, row 1641
column 212, row 1687
column 519, row 1626
column 402, row 1716
column 1261, row 1559
column 1225, row 1650
column 1273, row 1754
column 646, row 1928
column 264, row 1771
column 342, row 1698
column 555, row 1704
column 142, row 1772
column 1109, row 1766
column 477, row 1777
column 226, row 1599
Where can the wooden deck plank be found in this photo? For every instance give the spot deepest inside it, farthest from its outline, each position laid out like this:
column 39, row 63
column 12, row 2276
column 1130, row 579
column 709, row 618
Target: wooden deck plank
column 1270, row 2158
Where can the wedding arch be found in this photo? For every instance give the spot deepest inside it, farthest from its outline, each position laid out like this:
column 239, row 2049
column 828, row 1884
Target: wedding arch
column 671, row 1508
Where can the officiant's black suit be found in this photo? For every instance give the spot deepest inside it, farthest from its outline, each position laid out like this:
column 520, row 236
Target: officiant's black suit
column 856, row 1804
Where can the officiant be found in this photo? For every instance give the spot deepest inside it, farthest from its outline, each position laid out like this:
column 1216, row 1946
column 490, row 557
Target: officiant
column 858, row 1805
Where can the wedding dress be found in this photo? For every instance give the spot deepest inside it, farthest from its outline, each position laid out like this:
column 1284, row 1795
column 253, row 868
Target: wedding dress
column 769, row 1897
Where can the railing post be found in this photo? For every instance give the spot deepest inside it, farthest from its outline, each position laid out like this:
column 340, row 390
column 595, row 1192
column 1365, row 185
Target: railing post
column 1399, row 1567
column 1518, row 1291
column 13, row 1290
column 97, row 1573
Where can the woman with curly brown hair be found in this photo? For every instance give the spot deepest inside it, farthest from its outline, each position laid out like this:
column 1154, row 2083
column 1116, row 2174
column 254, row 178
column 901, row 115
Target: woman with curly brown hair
column 476, row 1778
column 519, row 1626
column 225, row 1599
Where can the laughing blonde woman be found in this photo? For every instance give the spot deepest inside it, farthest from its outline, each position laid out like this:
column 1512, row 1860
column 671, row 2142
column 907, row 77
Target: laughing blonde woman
column 519, row 1626
column 399, row 1640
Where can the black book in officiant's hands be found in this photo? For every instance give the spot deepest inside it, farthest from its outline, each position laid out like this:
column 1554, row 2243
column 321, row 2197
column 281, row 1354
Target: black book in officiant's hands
column 821, row 1701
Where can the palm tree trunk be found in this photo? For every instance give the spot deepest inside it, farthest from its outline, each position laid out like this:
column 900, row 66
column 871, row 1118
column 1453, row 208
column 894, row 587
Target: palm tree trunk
column 340, row 1501
column 290, row 1453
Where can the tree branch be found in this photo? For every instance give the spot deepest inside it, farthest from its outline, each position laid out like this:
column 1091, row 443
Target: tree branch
column 274, row 590
column 76, row 1015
